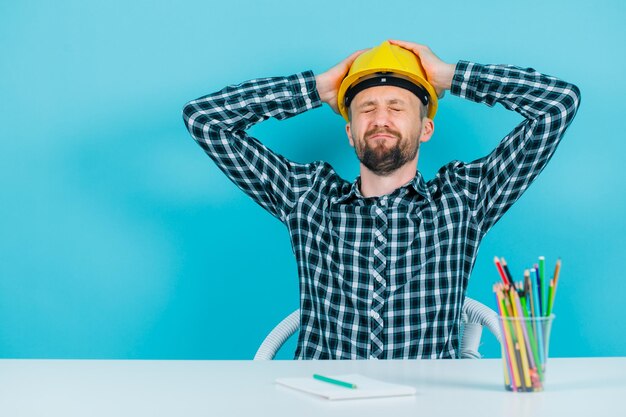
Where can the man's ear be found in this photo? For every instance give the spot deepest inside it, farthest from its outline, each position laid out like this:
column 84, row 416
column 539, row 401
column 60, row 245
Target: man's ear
column 349, row 133
column 428, row 128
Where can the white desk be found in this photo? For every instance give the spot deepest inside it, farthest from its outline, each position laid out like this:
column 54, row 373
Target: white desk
column 575, row 387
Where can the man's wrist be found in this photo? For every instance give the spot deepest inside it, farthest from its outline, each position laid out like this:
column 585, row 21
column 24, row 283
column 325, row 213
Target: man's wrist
column 324, row 89
column 447, row 74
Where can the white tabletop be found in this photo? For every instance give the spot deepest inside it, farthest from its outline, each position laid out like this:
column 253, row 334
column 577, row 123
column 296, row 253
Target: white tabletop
column 582, row 387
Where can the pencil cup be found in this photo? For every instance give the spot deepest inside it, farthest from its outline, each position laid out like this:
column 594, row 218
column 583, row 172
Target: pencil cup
column 525, row 342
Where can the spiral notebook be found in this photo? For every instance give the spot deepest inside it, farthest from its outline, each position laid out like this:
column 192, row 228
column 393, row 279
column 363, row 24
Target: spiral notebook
column 366, row 387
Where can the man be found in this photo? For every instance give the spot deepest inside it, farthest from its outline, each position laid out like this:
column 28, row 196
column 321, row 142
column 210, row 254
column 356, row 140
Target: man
column 384, row 261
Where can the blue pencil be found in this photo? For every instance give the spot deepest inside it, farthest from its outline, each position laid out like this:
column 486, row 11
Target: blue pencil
column 539, row 290
column 537, row 326
column 544, row 285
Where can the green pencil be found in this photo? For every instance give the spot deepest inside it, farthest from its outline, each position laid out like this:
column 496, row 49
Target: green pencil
column 555, row 280
column 544, row 287
column 531, row 337
column 334, row 381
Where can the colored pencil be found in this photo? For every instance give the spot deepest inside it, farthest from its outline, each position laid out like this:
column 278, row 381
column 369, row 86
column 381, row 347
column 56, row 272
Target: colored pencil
column 531, row 328
column 544, row 286
column 501, row 271
column 539, row 291
column 535, row 289
column 505, row 267
column 529, row 293
column 508, row 374
column 521, row 344
column 506, row 333
column 553, row 285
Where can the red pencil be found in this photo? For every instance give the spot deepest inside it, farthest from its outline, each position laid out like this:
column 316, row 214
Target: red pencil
column 506, row 270
column 501, row 271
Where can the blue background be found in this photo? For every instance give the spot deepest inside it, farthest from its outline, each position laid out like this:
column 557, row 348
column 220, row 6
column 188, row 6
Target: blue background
column 120, row 239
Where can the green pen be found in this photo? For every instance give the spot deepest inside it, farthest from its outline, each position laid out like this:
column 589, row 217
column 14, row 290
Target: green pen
column 334, row 381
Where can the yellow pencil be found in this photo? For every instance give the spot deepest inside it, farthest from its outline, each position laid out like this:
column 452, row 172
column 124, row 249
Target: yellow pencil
column 557, row 271
column 522, row 341
column 505, row 365
column 509, row 342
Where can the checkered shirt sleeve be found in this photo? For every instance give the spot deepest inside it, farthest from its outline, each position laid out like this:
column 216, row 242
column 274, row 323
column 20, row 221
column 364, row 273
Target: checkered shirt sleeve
column 218, row 122
column 493, row 183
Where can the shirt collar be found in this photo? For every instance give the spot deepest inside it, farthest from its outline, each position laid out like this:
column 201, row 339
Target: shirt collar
column 417, row 183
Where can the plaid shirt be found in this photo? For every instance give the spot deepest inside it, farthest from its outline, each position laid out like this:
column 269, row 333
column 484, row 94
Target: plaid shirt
column 384, row 277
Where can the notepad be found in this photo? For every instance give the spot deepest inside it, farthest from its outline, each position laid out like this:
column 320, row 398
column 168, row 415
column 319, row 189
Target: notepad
column 366, row 387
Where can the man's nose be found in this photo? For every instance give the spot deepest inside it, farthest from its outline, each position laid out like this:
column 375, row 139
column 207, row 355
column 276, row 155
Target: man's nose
column 381, row 117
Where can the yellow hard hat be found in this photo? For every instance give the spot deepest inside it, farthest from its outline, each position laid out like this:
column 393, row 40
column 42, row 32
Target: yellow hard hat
column 386, row 64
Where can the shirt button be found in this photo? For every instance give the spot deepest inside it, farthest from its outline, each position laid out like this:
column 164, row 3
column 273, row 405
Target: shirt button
column 308, row 101
column 303, row 89
column 383, row 202
column 381, row 238
column 375, row 315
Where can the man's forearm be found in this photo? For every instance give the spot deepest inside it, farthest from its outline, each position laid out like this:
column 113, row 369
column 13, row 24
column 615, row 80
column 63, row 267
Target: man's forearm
column 548, row 104
column 238, row 107
column 524, row 90
column 218, row 122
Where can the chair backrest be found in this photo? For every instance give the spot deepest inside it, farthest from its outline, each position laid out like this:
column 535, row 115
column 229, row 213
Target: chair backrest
column 475, row 316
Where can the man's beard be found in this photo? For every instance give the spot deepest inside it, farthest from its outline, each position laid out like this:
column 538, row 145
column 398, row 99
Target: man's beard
column 379, row 157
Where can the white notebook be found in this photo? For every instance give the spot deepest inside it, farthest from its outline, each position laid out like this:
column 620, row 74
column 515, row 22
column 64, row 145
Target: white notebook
column 366, row 387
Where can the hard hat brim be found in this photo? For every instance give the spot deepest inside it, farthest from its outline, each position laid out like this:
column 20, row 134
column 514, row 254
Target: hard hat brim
column 353, row 79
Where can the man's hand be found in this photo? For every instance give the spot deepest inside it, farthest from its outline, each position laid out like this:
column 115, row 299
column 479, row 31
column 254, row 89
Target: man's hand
column 439, row 73
column 328, row 83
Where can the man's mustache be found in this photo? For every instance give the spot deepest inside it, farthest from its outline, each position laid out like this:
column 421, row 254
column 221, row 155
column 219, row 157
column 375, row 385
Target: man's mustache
column 381, row 130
